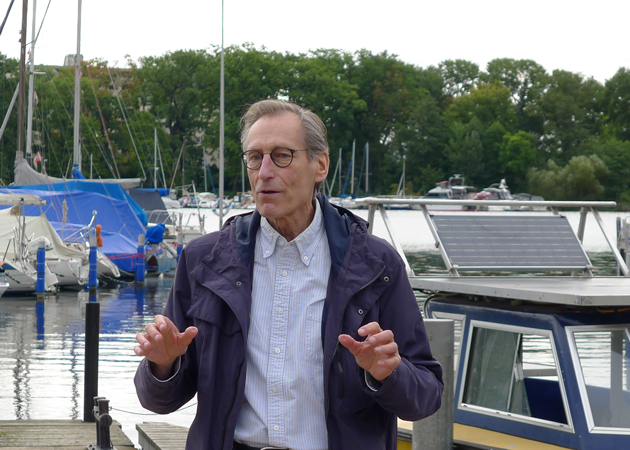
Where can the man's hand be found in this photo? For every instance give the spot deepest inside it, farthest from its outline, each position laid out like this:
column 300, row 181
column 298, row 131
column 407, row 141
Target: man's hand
column 162, row 343
column 377, row 354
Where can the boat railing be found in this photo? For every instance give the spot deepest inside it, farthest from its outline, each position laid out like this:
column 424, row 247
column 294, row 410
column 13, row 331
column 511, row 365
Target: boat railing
column 179, row 220
column 81, row 232
column 515, row 206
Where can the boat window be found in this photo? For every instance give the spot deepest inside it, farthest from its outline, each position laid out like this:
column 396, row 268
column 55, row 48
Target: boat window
column 604, row 363
column 515, row 373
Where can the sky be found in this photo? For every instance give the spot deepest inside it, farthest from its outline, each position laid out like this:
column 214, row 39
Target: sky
column 590, row 38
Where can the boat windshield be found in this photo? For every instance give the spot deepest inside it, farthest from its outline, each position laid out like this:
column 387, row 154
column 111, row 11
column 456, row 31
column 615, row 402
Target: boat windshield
column 602, row 362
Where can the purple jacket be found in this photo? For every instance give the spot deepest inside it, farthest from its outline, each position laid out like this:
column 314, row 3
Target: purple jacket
column 368, row 282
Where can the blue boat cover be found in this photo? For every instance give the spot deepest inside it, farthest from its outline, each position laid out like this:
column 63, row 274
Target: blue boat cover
column 120, row 227
column 112, row 190
column 155, row 234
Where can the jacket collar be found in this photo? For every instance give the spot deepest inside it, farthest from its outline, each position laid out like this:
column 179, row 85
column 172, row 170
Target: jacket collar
column 337, row 221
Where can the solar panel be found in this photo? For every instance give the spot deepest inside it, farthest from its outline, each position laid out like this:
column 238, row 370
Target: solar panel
column 510, row 242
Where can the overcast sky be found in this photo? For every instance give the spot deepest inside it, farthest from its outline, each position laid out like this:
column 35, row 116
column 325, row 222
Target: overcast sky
column 590, row 38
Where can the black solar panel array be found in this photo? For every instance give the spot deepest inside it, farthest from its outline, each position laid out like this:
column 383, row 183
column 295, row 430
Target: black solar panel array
column 511, row 241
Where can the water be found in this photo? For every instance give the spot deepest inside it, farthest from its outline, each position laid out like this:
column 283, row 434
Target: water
column 42, row 343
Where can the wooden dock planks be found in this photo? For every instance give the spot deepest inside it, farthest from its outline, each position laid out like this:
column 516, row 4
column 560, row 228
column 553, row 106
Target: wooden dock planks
column 56, row 435
column 161, row 436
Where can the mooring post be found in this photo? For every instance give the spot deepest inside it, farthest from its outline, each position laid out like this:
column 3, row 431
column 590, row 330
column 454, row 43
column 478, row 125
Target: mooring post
column 92, row 314
column 92, row 279
column 140, row 264
column 436, row 432
column 40, row 284
column 179, row 242
column 103, row 422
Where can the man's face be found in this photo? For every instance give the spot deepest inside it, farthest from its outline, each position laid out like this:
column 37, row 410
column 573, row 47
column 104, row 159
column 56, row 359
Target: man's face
column 284, row 195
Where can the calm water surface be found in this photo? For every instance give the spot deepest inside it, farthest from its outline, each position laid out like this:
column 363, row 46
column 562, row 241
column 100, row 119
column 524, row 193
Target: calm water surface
column 42, row 343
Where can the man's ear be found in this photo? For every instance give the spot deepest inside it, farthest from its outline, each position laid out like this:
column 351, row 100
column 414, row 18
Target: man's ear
column 323, row 163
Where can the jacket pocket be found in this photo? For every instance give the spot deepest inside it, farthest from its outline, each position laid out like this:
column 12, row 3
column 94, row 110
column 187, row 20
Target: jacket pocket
column 215, row 312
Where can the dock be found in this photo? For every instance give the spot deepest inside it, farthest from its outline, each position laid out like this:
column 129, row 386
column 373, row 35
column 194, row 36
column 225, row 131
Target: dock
column 161, row 436
column 56, row 434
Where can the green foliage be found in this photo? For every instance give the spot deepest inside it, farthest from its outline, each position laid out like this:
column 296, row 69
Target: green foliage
column 580, row 179
column 512, row 121
column 616, row 156
column 459, row 76
column 517, row 156
column 572, row 111
column 617, row 103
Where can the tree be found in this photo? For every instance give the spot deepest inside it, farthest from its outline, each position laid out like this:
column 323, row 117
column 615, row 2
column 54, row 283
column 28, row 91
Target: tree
column 616, row 156
column 527, row 82
column 390, row 91
column 617, row 103
column 489, row 103
column 465, row 151
column 579, row 180
column 8, row 82
column 173, row 88
column 572, row 111
column 517, row 156
column 460, row 76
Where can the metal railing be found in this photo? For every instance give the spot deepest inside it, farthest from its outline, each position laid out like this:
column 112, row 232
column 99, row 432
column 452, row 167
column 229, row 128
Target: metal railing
column 514, row 206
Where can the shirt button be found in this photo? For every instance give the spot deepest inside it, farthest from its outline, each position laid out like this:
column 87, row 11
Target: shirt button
column 284, row 273
column 305, row 258
column 274, row 390
column 276, row 427
column 281, row 243
column 277, row 350
column 280, row 310
column 267, row 252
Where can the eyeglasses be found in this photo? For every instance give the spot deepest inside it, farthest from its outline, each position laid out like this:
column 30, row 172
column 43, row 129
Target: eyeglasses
column 281, row 157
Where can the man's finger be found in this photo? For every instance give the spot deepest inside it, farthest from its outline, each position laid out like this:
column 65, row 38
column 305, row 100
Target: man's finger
column 348, row 342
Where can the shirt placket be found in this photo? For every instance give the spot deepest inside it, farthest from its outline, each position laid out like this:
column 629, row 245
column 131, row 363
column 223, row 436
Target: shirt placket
column 278, row 343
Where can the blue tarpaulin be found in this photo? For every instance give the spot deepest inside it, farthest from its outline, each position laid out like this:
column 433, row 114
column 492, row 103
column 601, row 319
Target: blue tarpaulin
column 108, row 189
column 120, row 227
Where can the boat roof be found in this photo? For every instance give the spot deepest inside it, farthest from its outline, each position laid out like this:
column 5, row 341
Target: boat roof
column 562, row 290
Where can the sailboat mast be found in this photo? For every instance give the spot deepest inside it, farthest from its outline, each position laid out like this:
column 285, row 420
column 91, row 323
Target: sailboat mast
column 77, row 94
column 221, row 124
column 367, row 165
column 354, row 141
column 155, row 167
column 19, row 154
column 31, row 89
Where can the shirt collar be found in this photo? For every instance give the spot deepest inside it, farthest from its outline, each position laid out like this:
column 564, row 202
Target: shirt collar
column 306, row 242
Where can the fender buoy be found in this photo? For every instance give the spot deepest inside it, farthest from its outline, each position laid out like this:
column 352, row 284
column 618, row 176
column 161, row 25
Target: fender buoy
column 99, row 238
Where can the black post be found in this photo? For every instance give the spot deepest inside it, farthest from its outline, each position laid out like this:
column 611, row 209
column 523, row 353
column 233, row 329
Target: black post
column 92, row 315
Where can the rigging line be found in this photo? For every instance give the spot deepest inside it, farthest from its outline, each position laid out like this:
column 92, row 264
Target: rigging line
column 109, row 166
column 142, row 135
column 6, row 16
column 124, row 117
column 52, row 82
column 177, row 166
column 41, row 24
column 100, row 112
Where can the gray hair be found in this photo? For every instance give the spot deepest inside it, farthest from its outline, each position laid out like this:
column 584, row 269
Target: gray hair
column 314, row 130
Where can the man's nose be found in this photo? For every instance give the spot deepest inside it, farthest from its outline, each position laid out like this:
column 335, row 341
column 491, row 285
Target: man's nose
column 267, row 167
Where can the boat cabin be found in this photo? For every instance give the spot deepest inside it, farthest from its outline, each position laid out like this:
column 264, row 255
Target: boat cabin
column 540, row 361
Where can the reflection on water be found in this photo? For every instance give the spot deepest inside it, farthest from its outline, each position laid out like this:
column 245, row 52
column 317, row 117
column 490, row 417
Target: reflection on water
column 42, row 348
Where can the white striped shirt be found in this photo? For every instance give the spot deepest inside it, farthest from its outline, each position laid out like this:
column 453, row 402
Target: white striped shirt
column 284, row 388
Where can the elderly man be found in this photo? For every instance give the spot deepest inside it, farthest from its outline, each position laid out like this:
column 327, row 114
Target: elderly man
column 295, row 327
